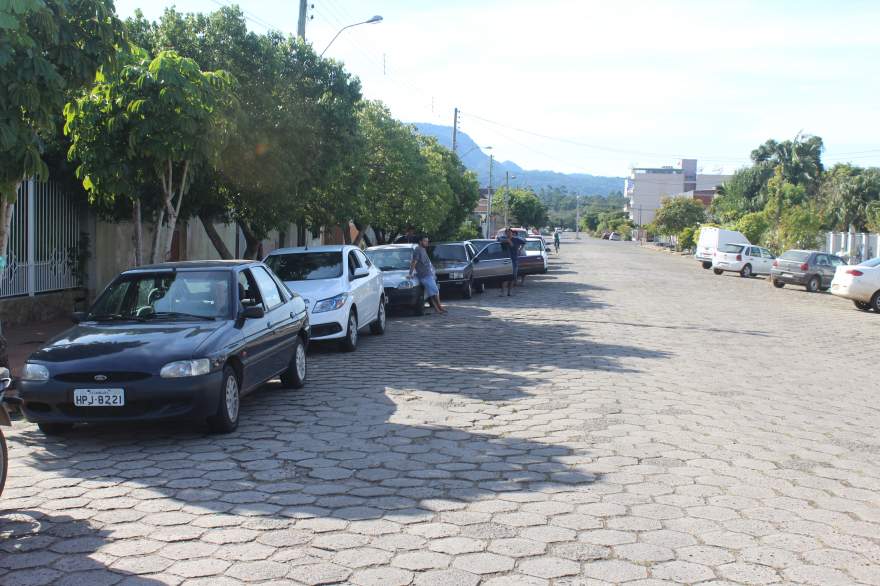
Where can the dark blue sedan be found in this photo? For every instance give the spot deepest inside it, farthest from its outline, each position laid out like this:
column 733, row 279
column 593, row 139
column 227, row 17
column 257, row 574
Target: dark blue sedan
column 178, row 340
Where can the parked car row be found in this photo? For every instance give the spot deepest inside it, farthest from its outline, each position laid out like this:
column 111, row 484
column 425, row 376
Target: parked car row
column 187, row 340
column 730, row 251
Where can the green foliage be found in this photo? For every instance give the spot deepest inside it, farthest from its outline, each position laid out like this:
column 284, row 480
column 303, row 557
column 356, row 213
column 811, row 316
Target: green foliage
column 872, row 215
column 677, row 213
column 522, row 205
column 468, row 230
column 799, row 227
column 799, row 161
column 743, row 193
column 686, row 240
column 846, row 193
column 753, row 226
column 47, row 49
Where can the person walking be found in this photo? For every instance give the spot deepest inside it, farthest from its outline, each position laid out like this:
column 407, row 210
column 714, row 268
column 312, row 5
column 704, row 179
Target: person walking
column 556, row 241
column 514, row 244
column 422, row 267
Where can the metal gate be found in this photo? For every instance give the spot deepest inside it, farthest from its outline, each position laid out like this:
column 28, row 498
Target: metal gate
column 45, row 243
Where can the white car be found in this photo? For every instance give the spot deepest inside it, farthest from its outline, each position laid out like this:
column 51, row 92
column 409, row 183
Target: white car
column 859, row 283
column 713, row 239
column 342, row 288
column 614, row 236
column 745, row 259
column 535, row 246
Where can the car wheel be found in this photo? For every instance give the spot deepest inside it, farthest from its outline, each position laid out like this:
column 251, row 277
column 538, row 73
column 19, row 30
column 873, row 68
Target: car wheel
column 746, row 272
column 778, row 284
column 813, row 284
column 295, row 375
column 350, row 341
column 54, row 428
column 226, row 419
column 377, row 328
column 718, row 271
column 467, row 290
column 707, row 264
column 875, row 302
column 862, row 305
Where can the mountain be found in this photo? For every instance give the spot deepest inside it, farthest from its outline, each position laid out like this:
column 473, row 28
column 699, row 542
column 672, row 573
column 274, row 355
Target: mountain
column 478, row 161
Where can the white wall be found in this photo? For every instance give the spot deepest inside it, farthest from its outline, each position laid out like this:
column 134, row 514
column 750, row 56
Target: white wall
column 649, row 189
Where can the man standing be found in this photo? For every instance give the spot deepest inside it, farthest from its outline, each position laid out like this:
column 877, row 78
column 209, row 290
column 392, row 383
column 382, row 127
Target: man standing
column 514, row 244
column 424, row 270
column 556, row 240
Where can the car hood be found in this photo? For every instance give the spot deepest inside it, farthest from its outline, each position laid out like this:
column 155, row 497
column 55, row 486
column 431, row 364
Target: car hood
column 317, row 290
column 116, row 346
column 450, row 265
column 394, row 278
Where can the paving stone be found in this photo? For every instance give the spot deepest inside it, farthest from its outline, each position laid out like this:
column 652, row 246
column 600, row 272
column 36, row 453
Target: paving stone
column 421, row 560
column 549, row 567
column 682, row 572
column 382, row 577
column 321, row 573
column 446, row 578
column 483, row 563
column 613, row 571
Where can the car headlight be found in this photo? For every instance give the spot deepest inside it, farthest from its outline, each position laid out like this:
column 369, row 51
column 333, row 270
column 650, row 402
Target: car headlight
column 330, row 304
column 185, row 368
column 456, row 275
column 34, row 373
column 405, row 284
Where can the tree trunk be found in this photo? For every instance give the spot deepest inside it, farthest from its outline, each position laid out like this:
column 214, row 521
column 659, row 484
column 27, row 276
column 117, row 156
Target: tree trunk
column 346, row 233
column 252, row 243
column 174, row 209
column 6, row 220
column 214, row 237
column 362, row 235
column 157, row 238
column 138, row 233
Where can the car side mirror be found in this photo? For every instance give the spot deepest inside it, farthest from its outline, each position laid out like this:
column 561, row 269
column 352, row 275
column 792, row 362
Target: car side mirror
column 77, row 317
column 253, row 312
column 360, row 273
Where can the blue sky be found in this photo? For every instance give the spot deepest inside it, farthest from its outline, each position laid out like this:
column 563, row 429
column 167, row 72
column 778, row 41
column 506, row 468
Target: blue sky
column 611, row 83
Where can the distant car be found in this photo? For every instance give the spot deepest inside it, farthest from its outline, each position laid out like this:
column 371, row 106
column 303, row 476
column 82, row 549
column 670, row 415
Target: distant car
column 812, row 269
column 342, row 288
column 453, row 263
column 536, row 248
column 859, row 283
column 614, row 236
column 395, row 260
column 518, row 232
column 745, row 259
column 713, row 239
column 182, row 340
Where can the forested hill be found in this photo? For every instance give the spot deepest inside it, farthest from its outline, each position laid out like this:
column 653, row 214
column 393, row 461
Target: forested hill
column 478, row 161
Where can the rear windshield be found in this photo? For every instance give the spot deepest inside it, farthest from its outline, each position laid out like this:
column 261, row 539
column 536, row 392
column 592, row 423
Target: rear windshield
column 534, row 246
column 732, row 248
column 795, row 255
column 446, row 252
column 306, row 266
column 391, row 259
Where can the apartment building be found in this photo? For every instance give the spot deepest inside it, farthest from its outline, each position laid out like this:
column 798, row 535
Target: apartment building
column 646, row 187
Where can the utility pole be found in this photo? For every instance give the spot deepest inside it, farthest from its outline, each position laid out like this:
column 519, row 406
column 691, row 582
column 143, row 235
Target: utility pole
column 577, row 217
column 455, row 131
column 489, row 216
column 506, row 197
column 641, row 237
column 303, row 16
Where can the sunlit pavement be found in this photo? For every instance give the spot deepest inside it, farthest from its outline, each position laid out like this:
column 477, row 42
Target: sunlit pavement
column 626, row 417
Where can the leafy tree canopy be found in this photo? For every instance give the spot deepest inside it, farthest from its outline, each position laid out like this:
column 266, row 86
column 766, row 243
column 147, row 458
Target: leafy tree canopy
column 677, row 213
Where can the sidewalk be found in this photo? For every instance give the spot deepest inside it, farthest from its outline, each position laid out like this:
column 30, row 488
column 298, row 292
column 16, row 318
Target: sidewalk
column 25, row 339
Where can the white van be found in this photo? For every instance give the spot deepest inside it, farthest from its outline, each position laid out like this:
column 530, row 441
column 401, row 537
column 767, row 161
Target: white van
column 711, row 239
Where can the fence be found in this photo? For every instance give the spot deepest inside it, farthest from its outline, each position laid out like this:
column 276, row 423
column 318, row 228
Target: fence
column 854, row 246
column 46, row 242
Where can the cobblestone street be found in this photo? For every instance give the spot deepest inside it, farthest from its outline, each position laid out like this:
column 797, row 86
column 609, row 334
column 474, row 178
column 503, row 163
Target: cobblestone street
column 628, row 417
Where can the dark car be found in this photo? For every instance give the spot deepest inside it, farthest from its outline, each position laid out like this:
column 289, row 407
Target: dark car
column 178, row 340
column 492, row 264
column 395, row 260
column 812, row 269
column 453, row 263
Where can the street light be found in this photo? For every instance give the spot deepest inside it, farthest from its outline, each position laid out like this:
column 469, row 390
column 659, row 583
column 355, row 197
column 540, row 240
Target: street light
column 507, row 178
column 489, row 193
column 373, row 20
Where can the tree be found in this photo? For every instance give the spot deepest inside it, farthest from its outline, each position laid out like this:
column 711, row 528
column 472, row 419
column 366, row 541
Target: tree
column 799, row 160
column 846, row 193
column 677, row 213
column 753, row 226
column 800, row 227
column 743, row 193
column 686, row 240
column 872, row 213
column 172, row 120
column 523, row 206
column 48, row 48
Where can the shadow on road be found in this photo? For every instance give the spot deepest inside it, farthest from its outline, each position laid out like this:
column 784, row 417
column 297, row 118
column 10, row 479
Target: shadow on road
column 39, row 548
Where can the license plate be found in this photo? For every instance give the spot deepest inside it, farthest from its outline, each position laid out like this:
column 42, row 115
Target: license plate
column 98, row 397
column 786, row 275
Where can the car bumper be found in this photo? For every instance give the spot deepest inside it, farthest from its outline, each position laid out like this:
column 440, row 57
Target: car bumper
column 728, row 266
column 151, row 399
column 402, row 297
column 703, row 257
column 329, row 325
column 854, row 291
column 789, row 278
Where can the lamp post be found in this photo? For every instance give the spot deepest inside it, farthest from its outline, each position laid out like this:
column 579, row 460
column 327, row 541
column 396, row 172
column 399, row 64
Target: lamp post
column 489, row 214
column 507, row 179
column 577, row 217
column 372, row 20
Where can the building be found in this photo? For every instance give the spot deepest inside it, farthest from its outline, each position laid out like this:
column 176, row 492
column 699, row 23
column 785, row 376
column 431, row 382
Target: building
column 646, row 187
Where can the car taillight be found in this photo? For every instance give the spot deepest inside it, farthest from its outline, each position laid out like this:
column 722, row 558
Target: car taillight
column 855, row 272
column 739, row 257
column 775, row 263
column 805, row 266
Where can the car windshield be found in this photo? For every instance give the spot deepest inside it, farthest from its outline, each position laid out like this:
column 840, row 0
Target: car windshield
column 795, row 255
column 447, row 252
column 391, row 259
column 533, row 246
column 306, row 266
column 166, row 295
column 874, row 262
column 481, row 244
column 732, row 248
